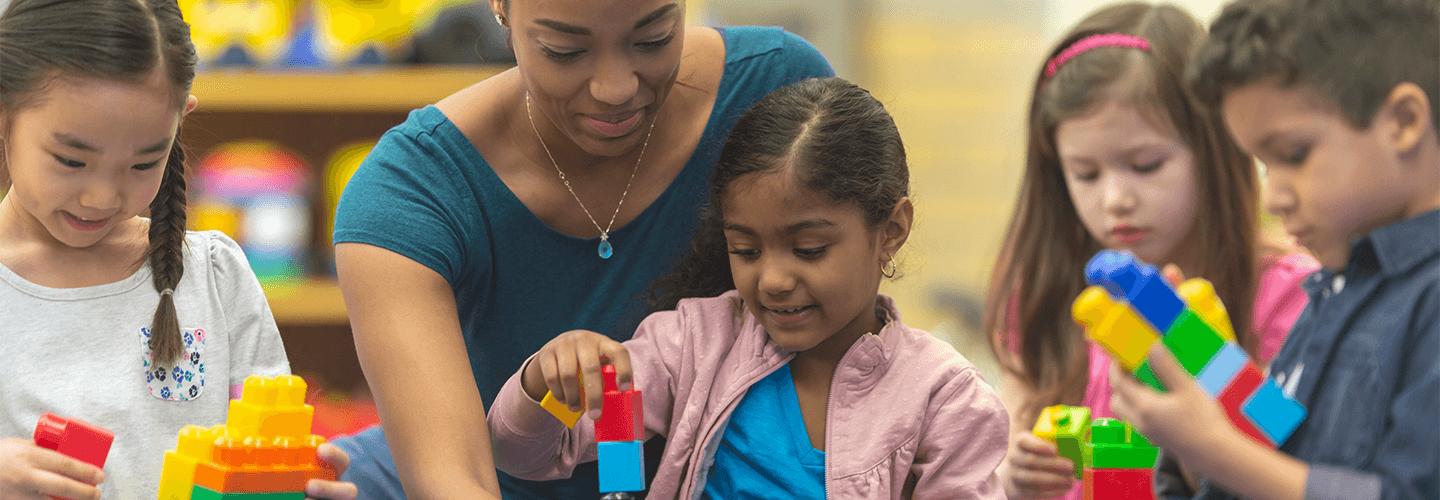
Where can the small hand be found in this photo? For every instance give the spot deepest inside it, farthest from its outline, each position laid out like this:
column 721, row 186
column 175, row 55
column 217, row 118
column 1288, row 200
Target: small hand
column 29, row 472
column 1183, row 420
column 337, row 459
column 1035, row 470
column 559, row 366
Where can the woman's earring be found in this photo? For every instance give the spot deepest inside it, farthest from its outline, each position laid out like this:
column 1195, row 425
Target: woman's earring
column 499, row 19
column 891, row 272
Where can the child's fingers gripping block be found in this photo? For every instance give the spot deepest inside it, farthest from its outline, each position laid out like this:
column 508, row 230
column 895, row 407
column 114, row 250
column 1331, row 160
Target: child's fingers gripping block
column 1232, row 400
column 74, row 438
column 560, row 410
column 1067, row 427
column 1114, row 326
column 623, row 416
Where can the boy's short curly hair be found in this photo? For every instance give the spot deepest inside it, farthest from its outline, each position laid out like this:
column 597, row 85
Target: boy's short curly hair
column 1350, row 52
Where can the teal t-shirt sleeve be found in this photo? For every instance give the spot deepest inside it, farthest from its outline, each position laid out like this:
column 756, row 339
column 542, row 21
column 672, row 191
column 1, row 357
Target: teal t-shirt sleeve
column 804, row 60
column 406, row 197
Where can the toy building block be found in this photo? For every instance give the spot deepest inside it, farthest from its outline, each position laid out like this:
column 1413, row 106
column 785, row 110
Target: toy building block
column 74, row 438
column 1114, row 326
column 1192, row 342
column 1067, row 427
column 1222, row 368
column 1141, row 285
column 1275, row 414
column 255, row 455
column 622, row 465
column 1232, row 400
column 1115, row 445
column 560, row 410
column 623, row 416
column 1200, row 295
column 1119, row 484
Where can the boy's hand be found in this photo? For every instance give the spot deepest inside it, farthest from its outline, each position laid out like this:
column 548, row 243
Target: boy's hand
column 29, row 472
column 1035, row 470
column 1184, row 420
column 333, row 490
column 556, row 366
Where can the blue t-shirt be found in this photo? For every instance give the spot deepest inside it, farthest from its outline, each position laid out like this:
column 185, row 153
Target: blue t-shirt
column 426, row 193
column 765, row 453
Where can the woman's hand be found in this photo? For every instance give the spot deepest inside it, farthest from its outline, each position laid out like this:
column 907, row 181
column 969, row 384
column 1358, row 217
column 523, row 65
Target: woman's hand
column 560, row 366
column 1033, row 469
column 29, row 472
column 333, row 490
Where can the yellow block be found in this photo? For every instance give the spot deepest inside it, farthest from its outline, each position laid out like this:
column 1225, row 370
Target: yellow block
column 1199, row 294
column 1045, row 426
column 1114, row 326
column 193, row 445
column 271, row 407
column 559, row 410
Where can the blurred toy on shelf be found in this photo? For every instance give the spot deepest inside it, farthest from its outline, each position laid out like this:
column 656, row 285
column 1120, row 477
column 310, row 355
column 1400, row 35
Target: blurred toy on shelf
column 255, row 192
column 338, row 170
column 364, row 32
column 264, row 447
column 240, row 33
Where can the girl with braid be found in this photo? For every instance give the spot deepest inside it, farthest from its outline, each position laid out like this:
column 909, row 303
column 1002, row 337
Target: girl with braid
column 133, row 324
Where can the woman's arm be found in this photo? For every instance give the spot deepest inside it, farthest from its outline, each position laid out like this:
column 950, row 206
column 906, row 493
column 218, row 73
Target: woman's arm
column 407, row 335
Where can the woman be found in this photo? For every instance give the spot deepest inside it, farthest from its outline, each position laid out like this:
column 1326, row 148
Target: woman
column 541, row 200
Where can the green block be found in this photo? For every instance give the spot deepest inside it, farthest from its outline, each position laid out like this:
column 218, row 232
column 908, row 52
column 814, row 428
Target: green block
column 1070, row 429
column 1192, row 342
column 1113, row 445
column 203, row 493
column 1148, row 377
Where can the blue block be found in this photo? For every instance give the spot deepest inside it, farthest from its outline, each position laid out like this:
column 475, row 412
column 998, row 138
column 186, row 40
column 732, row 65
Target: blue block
column 1222, row 368
column 1275, row 414
column 622, row 466
column 1140, row 284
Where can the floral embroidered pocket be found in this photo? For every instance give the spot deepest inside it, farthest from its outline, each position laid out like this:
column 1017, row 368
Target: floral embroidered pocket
column 185, row 379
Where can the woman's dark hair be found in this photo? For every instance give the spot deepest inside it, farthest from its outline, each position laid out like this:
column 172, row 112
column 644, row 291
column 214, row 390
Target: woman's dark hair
column 43, row 41
column 833, row 136
column 1040, row 269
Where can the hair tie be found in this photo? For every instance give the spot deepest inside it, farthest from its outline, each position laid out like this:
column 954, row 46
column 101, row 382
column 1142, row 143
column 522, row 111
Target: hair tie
column 167, row 291
column 1094, row 41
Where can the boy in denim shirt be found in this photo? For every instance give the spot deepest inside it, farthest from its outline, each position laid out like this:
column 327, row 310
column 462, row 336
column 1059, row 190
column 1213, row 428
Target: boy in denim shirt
column 1339, row 99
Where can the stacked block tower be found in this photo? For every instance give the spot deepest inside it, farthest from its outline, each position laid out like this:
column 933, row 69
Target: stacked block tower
column 1112, row 460
column 619, row 435
column 264, row 450
column 1130, row 306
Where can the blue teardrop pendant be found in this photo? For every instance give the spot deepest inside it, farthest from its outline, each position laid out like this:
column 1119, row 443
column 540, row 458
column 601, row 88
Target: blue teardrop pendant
column 606, row 250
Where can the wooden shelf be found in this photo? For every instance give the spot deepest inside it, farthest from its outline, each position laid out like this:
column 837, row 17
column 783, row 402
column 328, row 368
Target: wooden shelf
column 390, row 89
column 311, row 302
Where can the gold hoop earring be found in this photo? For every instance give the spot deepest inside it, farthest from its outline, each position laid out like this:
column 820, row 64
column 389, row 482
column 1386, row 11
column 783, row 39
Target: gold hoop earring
column 890, row 274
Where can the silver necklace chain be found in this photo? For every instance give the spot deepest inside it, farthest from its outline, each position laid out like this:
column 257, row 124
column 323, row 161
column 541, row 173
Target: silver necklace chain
column 604, row 233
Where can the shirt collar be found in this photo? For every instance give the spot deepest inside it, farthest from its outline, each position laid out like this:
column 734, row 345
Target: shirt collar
column 1392, row 250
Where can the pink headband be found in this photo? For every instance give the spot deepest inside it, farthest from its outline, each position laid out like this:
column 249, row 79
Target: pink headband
column 1093, row 41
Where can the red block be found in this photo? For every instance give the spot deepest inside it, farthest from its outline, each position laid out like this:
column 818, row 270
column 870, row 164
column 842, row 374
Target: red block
column 1118, row 484
column 1232, row 399
column 74, row 438
column 623, row 416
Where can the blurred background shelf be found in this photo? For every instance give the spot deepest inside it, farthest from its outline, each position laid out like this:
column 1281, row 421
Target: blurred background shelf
column 382, row 89
column 310, row 302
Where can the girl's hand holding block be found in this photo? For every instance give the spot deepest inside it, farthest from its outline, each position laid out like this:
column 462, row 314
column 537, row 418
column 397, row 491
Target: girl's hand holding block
column 569, row 369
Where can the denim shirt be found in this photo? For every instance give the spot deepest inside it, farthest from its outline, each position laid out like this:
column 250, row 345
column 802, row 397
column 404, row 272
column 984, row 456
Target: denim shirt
column 1364, row 359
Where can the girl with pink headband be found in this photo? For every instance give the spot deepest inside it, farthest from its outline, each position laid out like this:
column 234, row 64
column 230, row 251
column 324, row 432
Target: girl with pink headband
column 1122, row 156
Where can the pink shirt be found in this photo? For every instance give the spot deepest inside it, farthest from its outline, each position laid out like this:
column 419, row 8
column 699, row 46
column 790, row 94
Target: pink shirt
column 908, row 416
column 1278, row 302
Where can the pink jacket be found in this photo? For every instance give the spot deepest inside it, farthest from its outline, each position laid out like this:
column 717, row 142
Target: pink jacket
column 908, row 416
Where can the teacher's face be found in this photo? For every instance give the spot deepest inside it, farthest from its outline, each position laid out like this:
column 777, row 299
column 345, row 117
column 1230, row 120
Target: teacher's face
column 597, row 69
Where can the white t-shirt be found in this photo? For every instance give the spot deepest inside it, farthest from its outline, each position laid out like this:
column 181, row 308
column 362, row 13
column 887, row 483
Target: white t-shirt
column 82, row 352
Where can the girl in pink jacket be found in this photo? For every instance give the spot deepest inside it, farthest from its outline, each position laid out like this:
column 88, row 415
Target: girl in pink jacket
column 798, row 380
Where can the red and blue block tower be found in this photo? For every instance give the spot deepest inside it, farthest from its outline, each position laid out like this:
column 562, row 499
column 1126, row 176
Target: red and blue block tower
column 1128, row 307
column 619, row 435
